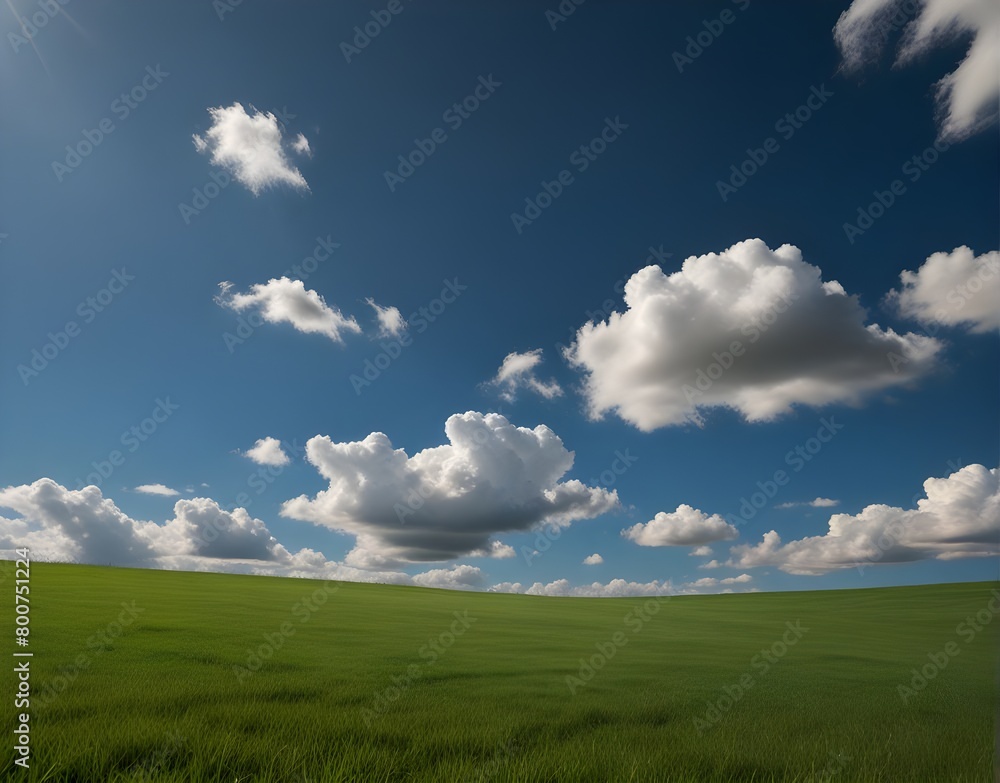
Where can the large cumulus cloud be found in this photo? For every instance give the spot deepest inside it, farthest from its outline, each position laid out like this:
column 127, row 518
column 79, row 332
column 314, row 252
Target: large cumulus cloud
column 751, row 329
column 64, row 525
column 84, row 526
column 958, row 517
column 446, row 501
column 73, row 525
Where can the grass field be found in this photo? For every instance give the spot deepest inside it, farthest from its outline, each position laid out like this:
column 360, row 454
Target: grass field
column 153, row 675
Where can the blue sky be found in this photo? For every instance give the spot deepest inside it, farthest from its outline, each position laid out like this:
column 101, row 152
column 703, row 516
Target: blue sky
column 139, row 225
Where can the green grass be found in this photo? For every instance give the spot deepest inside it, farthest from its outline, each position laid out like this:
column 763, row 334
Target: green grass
column 162, row 701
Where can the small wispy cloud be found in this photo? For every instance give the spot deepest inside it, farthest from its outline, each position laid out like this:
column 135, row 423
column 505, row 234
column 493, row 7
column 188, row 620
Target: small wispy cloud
column 156, row 489
column 390, row 321
column 816, row 503
column 301, row 146
column 518, row 372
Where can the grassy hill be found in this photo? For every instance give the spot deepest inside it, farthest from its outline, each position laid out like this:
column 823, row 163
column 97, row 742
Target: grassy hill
column 152, row 675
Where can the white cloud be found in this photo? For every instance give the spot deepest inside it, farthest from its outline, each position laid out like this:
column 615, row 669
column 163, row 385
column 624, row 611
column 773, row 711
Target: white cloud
column 968, row 96
column 156, row 489
column 701, row 551
column 202, row 529
column 496, row 550
column 268, row 451
column 447, row 501
column 79, row 525
column 959, row 517
column 816, row 503
column 686, row 526
column 710, row 565
column 672, row 354
column 459, row 577
column 390, row 321
column 507, row 587
column 594, row 559
column 616, row 588
column 251, row 148
column 518, row 372
column 59, row 524
column 84, row 526
column 301, row 146
column 708, row 582
column 288, row 301
column 954, row 289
